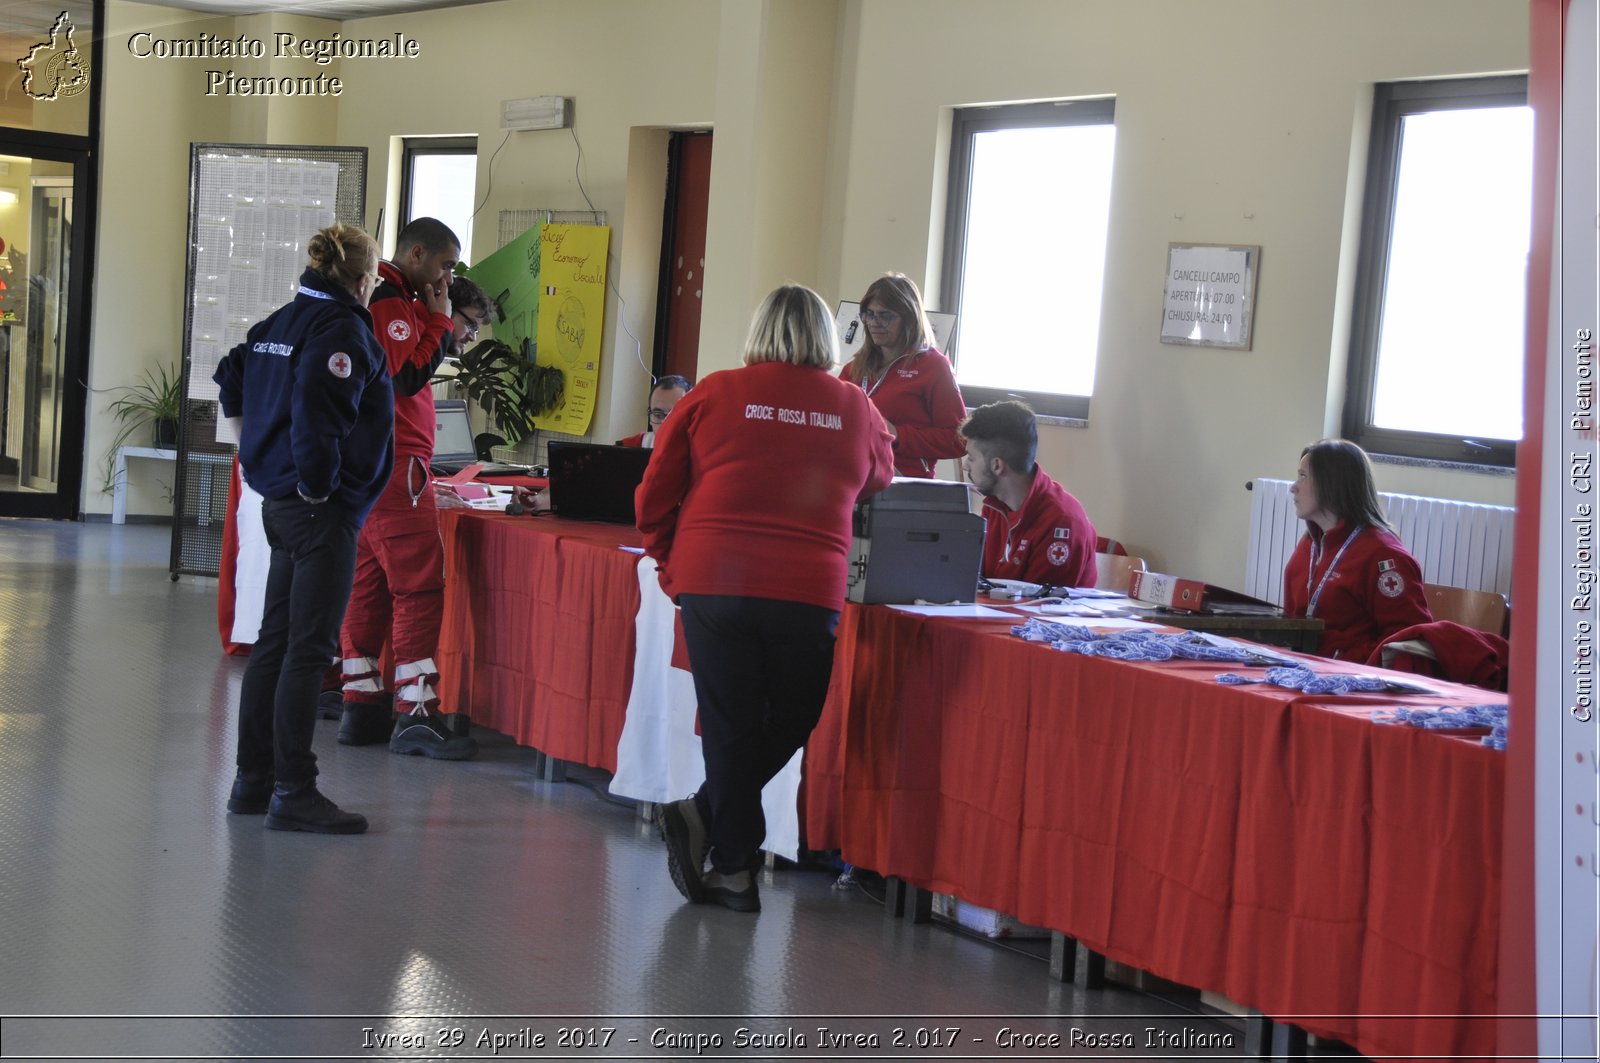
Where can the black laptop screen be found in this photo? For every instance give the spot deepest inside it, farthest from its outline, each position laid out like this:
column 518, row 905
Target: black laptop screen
column 589, row 481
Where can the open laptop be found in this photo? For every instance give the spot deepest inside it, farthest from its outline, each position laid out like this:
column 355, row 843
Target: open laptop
column 589, row 481
column 453, row 445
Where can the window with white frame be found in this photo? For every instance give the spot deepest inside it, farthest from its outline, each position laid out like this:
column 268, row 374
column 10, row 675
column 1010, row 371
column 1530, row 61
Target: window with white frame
column 1025, row 250
column 438, row 176
column 1437, row 337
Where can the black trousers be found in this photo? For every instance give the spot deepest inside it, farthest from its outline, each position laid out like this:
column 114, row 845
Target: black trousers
column 308, row 585
column 761, row 670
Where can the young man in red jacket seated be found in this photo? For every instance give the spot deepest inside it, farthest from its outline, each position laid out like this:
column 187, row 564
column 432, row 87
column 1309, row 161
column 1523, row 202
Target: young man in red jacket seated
column 663, row 397
column 1037, row 532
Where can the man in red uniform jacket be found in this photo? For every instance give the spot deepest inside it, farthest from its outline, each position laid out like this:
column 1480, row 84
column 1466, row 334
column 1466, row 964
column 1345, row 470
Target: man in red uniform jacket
column 1037, row 532
column 663, row 398
column 399, row 583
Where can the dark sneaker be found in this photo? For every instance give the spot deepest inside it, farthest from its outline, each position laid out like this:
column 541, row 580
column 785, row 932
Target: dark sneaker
column 250, row 795
column 365, row 723
column 687, row 841
column 736, row 891
column 330, row 704
column 426, row 734
column 305, row 808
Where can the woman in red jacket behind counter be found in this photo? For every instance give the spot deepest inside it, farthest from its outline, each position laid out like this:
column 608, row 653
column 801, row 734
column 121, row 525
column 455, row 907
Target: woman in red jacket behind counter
column 909, row 381
column 746, row 506
column 1350, row 569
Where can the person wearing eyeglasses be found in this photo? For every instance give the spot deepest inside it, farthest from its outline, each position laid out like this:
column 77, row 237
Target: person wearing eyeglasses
column 470, row 309
column 907, row 378
column 663, row 397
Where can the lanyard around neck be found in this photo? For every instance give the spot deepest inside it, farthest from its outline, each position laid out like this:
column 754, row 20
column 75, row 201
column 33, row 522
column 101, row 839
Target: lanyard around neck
column 1316, row 553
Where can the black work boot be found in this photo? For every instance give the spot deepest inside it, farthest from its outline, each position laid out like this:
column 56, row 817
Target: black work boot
column 684, row 831
column 736, row 890
column 330, row 704
column 303, row 807
column 427, row 734
column 365, row 723
column 251, row 793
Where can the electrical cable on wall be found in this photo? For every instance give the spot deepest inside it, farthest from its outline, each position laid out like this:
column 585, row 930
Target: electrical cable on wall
column 622, row 304
column 488, row 181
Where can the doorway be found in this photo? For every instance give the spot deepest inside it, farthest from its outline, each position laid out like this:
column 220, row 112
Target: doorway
column 42, row 350
column 683, row 254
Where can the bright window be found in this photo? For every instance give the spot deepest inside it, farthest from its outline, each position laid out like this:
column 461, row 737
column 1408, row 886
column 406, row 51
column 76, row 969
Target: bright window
column 1030, row 202
column 439, row 177
column 1437, row 348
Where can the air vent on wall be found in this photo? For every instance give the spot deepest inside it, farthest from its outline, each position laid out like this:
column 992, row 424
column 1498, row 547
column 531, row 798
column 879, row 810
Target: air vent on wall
column 536, row 112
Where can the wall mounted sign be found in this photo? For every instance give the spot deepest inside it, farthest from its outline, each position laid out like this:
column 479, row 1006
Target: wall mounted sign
column 1210, row 296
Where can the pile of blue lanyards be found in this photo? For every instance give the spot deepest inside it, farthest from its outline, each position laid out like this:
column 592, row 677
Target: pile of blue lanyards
column 1304, row 679
column 1156, row 646
column 1130, row 645
column 1449, row 717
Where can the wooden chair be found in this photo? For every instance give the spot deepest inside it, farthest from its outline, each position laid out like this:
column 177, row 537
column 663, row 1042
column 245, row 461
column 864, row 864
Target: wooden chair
column 1486, row 611
column 1112, row 571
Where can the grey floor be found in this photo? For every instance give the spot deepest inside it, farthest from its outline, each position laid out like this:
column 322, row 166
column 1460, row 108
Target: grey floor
column 139, row 920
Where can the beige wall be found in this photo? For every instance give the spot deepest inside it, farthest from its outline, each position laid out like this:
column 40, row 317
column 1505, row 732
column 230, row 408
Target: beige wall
column 1244, row 125
column 1236, row 123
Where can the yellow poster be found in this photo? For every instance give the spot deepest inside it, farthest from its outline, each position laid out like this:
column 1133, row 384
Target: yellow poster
column 572, row 309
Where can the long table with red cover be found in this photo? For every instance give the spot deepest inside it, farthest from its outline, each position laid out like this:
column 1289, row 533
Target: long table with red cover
column 1280, row 849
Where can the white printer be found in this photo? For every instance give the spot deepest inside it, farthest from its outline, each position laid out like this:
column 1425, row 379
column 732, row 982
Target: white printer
column 915, row 540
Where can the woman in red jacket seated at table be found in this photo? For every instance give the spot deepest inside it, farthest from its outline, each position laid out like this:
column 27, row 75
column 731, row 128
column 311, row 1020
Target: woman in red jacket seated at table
column 1349, row 570
column 745, row 506
column 909, row 381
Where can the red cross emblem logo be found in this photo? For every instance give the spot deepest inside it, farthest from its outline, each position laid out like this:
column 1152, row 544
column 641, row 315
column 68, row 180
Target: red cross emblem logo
column 339, row 365
column 400, row 330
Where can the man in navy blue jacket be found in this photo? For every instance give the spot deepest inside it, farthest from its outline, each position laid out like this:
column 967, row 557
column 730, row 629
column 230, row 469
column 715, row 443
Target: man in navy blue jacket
column 309, row 395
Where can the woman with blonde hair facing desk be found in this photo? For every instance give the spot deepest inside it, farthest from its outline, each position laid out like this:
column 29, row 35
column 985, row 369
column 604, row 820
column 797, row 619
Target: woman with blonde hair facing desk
column 1350, row 570
column 906, row 377
column 745, row 508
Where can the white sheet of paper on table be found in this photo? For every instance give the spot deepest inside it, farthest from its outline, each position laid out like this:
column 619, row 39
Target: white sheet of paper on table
column 969, row 609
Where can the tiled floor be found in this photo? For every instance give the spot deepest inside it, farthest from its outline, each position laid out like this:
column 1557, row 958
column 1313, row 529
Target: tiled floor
column 483, row 900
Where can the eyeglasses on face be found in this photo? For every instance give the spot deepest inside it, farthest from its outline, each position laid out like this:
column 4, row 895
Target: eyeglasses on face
column 879, row 317
column 657, row 414
column 470, row 325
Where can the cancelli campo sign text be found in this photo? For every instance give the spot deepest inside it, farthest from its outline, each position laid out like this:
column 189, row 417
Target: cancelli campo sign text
column 318, row 52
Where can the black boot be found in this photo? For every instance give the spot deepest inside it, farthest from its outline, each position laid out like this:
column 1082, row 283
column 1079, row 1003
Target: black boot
column 251, row 793
column 304, row 807
column 365, row 723
column 330, row 704
column 426, row 734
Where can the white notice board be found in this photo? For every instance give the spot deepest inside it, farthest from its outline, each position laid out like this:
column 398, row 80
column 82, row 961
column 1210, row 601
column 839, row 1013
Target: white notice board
column 1210, row 295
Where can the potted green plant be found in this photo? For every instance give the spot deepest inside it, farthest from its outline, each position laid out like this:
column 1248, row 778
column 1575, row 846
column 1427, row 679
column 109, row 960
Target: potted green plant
column 510, row 386
column 152, row 405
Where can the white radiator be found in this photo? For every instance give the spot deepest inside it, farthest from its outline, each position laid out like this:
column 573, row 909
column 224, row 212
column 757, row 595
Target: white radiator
column 1458, row 544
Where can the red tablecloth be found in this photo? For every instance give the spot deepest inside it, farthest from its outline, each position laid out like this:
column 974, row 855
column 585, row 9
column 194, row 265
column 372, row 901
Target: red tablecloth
column 1285, row 851
column 537, row 640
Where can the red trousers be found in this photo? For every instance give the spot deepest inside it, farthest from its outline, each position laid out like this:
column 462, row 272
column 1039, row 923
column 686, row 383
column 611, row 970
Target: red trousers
column 398, row 595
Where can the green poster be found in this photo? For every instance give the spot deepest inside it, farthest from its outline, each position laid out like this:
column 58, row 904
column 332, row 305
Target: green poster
column 511, row 277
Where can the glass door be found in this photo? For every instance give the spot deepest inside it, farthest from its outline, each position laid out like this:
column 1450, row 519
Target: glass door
column 41, row 360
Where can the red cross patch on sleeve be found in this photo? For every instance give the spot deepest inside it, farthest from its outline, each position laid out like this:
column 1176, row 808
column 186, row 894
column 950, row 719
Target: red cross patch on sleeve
column 339, row 365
